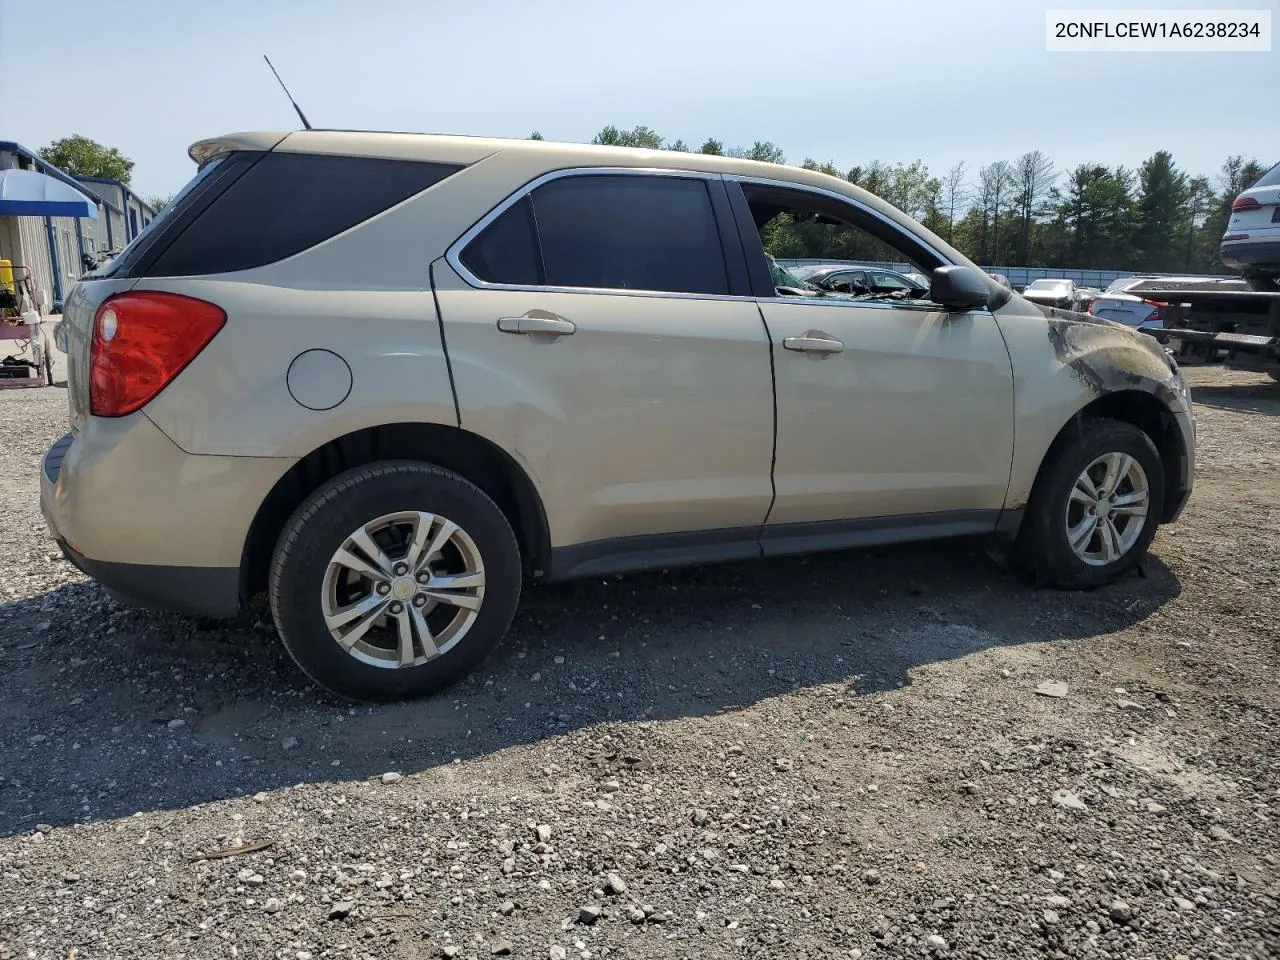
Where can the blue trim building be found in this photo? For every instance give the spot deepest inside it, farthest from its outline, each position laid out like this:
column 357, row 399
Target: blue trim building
column 54, row 247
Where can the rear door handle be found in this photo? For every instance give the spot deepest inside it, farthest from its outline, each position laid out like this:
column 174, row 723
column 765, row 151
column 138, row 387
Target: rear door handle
column 530, row 325
column 813, row 343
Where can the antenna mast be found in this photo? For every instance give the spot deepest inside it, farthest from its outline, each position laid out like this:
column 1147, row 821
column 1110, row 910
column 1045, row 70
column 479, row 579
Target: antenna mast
column 301, row 116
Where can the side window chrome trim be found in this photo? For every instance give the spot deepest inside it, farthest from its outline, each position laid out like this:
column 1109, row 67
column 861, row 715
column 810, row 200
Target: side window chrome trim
column 832, row 195
column 454, row 254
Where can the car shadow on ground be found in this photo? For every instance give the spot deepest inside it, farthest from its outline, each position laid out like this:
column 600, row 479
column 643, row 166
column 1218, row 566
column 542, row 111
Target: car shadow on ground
column 1263, row 398
column 107, row 710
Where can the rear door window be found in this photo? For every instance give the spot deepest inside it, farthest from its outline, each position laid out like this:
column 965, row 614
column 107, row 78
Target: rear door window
column 507, row 250
column 627, row 232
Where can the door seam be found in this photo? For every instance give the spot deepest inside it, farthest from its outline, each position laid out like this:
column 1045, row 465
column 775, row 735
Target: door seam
column 773, row 458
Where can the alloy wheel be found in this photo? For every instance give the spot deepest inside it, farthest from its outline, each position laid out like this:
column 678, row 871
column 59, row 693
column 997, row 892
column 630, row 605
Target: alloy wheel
column 1107, row 509
column 403, row 589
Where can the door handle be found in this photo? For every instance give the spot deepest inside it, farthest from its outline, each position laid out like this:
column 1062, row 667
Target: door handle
column 813, row 342
column 554, row 326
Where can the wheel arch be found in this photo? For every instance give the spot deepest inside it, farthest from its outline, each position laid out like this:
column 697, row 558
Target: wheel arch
column 1144, row 410
column 471, row 456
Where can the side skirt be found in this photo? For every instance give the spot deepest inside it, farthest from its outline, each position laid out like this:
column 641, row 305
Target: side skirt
column 658, row 551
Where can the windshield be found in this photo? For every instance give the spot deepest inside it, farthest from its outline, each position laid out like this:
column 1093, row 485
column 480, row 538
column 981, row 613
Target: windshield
column 1048, row 284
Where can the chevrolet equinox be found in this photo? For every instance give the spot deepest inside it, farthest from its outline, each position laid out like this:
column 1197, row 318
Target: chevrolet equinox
column 390, row 378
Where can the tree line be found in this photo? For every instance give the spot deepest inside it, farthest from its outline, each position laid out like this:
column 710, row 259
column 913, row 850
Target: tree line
column 1024, row 212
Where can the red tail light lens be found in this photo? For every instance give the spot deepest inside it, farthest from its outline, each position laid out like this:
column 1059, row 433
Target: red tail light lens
column 141, row 341
column 1155, row 303
column 1245, row 203
column 1234, row 236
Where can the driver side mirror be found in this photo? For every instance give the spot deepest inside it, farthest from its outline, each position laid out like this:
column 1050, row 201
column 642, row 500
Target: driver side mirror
column 958, row 288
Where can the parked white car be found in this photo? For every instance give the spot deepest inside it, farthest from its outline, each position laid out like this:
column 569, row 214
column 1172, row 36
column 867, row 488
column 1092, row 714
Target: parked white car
column 1252, row 241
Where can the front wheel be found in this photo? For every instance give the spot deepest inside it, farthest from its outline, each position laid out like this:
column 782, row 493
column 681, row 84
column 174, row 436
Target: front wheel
column 1095, row 507
column 394, row 580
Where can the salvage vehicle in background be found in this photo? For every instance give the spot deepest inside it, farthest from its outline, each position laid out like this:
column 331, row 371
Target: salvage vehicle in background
column 843, row 278
column 1053, row 292
column 1115, row 303
column 1251, row 243
column 390, row 378
column 1209, row 317
column 1085, row 297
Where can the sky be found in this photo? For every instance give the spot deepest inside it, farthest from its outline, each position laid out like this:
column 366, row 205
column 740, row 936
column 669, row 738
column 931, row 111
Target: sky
column 942, row 81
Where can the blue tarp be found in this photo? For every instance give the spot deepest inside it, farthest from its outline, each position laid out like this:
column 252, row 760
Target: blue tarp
column 26, row 193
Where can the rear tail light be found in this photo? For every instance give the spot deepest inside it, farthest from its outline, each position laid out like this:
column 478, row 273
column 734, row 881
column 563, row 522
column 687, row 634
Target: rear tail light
column 1155, row 303
column 141, row 341
column 1235, row 236
column 1244, row 203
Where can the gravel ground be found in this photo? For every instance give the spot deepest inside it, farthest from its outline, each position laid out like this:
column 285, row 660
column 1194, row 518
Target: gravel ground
column 844, row 755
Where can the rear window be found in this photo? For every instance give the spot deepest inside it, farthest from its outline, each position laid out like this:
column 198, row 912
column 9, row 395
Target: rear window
column 280, row 204
column 1270, row 179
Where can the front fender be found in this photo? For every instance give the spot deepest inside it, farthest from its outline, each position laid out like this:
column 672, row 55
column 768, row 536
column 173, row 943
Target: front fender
column 1063, row 362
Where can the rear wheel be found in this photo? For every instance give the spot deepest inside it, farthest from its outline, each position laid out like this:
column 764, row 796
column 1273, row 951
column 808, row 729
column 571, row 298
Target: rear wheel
column 1261, row 281
column 1095, row 508
column 394, row 580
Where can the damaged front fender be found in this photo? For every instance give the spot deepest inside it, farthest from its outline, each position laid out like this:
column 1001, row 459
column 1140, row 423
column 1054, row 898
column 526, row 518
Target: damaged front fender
column 1065, row 361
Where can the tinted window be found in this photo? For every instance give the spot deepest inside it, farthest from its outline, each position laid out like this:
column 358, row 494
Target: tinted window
column 630, row 233
column 507, row 250
column 287, row 202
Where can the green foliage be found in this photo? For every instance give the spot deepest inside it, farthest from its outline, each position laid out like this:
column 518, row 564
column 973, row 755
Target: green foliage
column 82, row 157
column 536, row 136
column 1161, row 209
column 1020, row 212
column 159, row 201
column 638, row 136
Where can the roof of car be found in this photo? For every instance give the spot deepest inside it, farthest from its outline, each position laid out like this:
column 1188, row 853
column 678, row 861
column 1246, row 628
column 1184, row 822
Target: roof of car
column 467, row 149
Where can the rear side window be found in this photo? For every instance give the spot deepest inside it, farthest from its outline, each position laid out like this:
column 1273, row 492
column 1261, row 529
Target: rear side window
column 622, row 232
column 285, row 203
column 507, row 250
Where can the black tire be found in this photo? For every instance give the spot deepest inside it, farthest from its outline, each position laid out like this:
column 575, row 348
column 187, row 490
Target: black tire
column 1043, row 551
column 1262, row 282
column 318, row 528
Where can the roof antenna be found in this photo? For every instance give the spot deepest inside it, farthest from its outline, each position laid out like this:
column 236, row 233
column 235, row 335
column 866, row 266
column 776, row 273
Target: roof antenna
column 301, row 116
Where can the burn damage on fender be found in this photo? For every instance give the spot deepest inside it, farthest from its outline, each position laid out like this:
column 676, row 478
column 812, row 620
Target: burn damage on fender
column 1104, row 356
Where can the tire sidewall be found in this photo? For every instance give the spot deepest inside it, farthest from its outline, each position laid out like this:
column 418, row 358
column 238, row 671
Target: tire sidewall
column 1049, row 538
column 319, row 527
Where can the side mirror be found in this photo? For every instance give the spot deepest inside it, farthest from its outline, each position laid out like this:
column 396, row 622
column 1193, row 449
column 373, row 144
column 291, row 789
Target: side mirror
column 958, row 288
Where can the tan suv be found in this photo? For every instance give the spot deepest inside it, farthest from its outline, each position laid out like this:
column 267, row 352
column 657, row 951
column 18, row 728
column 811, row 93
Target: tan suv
column 388, row 378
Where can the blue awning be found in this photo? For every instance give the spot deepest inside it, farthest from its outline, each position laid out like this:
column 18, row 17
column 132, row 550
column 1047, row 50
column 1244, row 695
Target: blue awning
column 25, row 193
